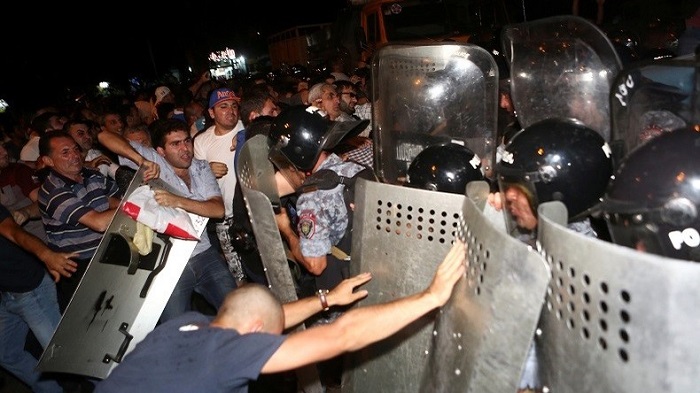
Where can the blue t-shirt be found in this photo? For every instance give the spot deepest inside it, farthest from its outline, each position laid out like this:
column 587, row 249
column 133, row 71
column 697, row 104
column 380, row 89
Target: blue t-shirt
column 185, row 354
column 20, row 271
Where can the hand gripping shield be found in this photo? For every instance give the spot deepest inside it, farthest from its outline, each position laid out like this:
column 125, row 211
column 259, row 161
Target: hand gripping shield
column 121, row 296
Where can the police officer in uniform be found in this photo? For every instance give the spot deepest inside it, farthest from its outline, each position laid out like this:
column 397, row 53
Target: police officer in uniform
column 653, row 202
column 301, row 139
column 551, row 160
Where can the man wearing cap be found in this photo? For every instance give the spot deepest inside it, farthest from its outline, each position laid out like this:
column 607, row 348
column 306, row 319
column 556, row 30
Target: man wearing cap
column 214, row 146
column 163, row 94
column 165, row 103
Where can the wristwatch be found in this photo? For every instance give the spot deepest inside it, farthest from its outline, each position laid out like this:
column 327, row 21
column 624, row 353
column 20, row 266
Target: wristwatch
column 322, row 293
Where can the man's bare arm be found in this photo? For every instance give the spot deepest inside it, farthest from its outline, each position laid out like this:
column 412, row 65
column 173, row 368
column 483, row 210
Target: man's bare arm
column 362, row 326
column 298, row 311
column 212, row 207
column 98, row 221
column 120, row 146
column 58, row 264
column 114, row 202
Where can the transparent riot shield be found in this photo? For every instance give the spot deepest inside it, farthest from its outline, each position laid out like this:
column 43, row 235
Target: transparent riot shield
column 432, row 94
column 257, row 176
column 400, row 235
column 120, row 298
column 561, row 67
column 615, row 319
column 482, row 335
column 650, row 99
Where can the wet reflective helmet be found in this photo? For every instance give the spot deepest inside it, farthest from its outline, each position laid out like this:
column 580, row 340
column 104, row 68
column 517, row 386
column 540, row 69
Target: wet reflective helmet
column 299, row 134
column 653, row 201
column 445, row 168
column 557, row 160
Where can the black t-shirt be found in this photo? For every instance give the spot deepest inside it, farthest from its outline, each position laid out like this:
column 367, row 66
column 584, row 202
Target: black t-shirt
column 20, row 271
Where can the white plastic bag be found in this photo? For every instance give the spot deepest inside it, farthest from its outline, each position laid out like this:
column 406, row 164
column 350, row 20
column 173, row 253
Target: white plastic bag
column 141, row 205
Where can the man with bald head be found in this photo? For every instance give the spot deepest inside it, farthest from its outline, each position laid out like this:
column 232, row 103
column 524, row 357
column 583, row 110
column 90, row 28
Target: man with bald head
column 194, row 353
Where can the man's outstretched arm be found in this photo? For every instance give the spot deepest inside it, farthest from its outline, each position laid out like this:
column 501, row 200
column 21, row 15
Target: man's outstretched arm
column 362, row 326
column 121, row 146
column 298, row 311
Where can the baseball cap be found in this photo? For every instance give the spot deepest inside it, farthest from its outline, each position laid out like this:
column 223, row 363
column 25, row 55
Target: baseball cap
column 221, row 95
column 161, row 92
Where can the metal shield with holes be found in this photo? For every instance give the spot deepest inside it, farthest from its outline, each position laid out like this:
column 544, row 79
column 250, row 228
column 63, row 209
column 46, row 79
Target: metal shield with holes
column 400, row 235
column 482, row 335
column 615, row 319
column 119, row 299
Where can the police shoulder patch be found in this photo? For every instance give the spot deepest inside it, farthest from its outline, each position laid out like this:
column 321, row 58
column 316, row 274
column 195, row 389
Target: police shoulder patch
column 307, row 224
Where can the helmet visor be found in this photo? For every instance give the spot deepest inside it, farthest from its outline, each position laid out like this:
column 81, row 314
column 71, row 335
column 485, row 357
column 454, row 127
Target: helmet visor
column 642, row 237
column 341, row 130
column 670, row 230
column 519, row 203
column 290, row 172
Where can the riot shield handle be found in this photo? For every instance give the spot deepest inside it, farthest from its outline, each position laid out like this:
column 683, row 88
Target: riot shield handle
column 161, row 264
column 122, row 348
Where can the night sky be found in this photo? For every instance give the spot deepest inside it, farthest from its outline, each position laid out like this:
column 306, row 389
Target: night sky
column 59, row 44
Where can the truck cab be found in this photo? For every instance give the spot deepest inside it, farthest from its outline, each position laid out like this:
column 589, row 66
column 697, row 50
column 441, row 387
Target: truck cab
column 379, row 22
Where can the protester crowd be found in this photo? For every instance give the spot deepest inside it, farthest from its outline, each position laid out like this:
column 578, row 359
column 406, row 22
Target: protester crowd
column 64, row 168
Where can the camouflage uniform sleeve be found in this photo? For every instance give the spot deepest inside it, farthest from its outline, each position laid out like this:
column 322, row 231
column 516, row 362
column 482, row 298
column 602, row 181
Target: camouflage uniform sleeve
column 322, row 221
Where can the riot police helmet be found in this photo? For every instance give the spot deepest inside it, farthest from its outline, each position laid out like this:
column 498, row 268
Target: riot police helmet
column 653, row 200
column 300, row 133
column 557, row 160
column 446, row 168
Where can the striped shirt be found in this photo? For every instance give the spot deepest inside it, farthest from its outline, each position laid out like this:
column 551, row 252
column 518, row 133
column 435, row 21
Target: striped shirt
column 63, row 202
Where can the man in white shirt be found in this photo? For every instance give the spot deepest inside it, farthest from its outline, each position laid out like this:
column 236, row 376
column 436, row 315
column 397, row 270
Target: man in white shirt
column 214, row 146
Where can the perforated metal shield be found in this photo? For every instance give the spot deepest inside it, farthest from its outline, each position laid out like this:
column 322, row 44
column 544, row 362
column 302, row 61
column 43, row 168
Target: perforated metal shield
column 432, row 94
column 400, row 234
column 257, row 176
column 615, row 319
column 483, row 333
column 120, row 297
